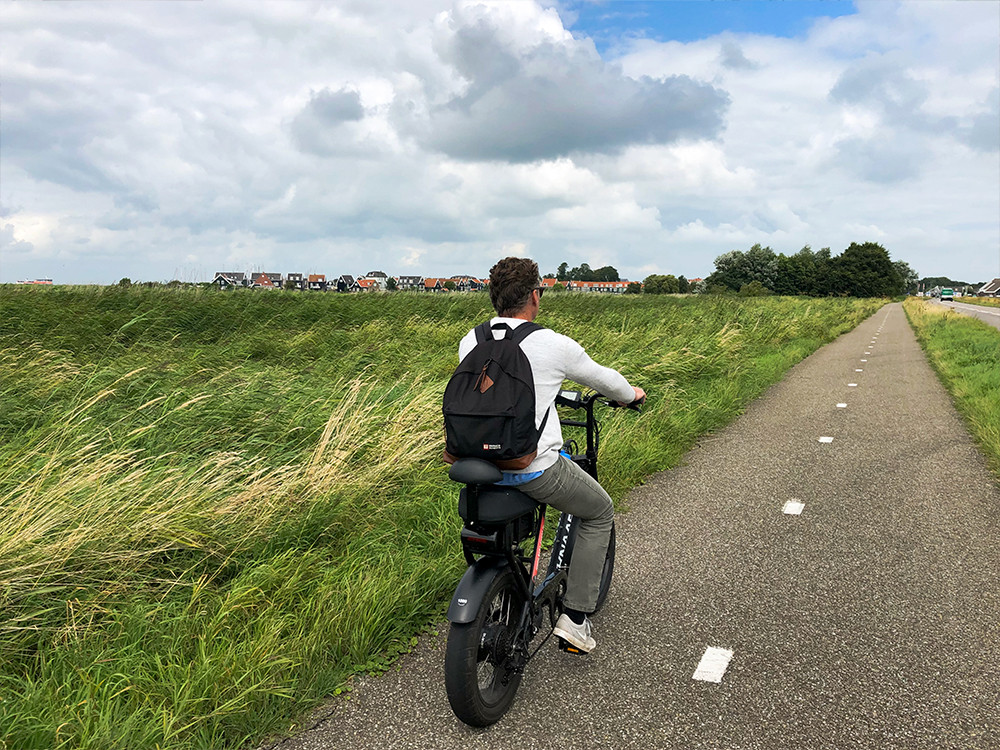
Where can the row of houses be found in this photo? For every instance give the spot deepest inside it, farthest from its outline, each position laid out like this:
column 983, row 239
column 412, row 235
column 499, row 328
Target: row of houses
column 373, row 281
column 990, row 289
column 376, row 281
column 605, row 287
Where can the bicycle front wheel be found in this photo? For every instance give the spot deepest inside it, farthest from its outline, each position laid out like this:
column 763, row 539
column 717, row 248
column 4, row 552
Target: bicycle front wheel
column 479, row 671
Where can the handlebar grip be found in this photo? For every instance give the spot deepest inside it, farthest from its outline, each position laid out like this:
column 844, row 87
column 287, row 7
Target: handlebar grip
column 633, row 405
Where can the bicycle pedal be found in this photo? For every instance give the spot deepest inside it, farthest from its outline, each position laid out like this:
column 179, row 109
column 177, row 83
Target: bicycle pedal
column 569, row 648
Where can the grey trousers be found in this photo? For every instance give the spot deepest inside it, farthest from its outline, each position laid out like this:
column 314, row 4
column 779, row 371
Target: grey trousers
column 569, row 488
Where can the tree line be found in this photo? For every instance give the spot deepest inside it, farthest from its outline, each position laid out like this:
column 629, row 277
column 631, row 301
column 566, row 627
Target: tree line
column 584, row 272
column 862, row 270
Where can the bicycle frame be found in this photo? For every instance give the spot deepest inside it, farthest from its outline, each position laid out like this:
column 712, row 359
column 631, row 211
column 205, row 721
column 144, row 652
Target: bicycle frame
column 587, row 460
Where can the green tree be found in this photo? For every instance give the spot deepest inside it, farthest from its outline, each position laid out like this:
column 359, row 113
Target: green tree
column 450, row 285
column 735, row 268
column 634, row 287
column 824, row 274
column 865, row 270
column 762, row 265
column 391, row 285
column 908, row 276
column 606, row 273
column 125, row 282
column 931, row 281
column 798, row 274
column 754, row 289
column 660, row 284
column 584, row 272
column 652, row 284
column 683, row 287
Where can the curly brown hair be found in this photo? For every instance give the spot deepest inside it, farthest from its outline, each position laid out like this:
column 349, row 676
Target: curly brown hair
column 511, row 282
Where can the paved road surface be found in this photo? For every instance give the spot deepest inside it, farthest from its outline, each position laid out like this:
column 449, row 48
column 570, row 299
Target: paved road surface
column 989, row 315
column 869, row 620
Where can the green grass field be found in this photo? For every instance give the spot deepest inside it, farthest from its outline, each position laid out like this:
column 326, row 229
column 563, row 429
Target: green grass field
column 216, row 507
column 965, row 352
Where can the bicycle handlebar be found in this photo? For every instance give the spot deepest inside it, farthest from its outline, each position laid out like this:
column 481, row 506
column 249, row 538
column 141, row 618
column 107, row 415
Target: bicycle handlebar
column 576, row 400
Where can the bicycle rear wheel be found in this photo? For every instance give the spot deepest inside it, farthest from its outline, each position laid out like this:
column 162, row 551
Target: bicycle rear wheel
column 479, row 672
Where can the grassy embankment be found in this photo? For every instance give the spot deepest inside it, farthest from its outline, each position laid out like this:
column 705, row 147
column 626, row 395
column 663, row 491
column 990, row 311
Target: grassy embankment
column 981, row 301
column 965, row 352
column 215, row 507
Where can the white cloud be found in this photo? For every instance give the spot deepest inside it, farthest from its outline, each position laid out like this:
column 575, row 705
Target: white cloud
column 516, row 249
column 412, row 257
column 155, row 139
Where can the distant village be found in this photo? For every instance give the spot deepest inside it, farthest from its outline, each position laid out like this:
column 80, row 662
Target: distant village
column 379, row 281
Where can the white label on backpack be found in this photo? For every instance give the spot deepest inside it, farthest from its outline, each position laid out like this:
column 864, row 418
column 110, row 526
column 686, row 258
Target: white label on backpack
column 491, row 447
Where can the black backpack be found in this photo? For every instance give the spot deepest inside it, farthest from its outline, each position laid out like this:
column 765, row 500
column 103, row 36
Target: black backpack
column 489, row 403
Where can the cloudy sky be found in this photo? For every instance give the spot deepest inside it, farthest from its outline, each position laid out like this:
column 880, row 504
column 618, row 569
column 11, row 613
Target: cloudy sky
column 161, row 140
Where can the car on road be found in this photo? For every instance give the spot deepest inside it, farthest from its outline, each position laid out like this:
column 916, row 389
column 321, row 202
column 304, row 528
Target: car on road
column 947, row 295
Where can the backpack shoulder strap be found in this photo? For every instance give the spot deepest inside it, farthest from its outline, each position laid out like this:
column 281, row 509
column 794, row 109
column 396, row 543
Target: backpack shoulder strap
column 517, row 335
column 520, row 333
column 483, row 332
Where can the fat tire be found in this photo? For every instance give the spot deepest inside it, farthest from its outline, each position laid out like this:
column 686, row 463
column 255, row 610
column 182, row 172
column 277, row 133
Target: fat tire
column 477, row 675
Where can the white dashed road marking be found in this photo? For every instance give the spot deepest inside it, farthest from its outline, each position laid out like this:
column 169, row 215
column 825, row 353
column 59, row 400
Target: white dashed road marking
column 793, row 508
column 841, row 406
column 826, row 439
column 713, row 664
column 852, row 385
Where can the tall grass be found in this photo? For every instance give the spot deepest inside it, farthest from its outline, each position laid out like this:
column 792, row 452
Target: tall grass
column 965, row 353
column 216, row 507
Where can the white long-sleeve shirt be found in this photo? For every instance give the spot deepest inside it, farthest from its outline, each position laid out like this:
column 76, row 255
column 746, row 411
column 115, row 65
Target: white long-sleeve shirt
column 555, row 358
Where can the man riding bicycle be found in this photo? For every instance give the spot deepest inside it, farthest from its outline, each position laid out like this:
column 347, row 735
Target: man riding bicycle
column 551, row 478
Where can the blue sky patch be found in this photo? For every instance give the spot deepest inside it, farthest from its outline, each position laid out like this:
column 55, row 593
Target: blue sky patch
column 608, row 23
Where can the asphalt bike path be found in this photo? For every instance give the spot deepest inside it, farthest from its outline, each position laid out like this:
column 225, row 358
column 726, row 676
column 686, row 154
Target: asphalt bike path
column 823, row 573
column 989, row 315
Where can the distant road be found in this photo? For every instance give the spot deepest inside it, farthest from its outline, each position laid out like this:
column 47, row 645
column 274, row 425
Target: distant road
column 838, row 541
column 989, row 315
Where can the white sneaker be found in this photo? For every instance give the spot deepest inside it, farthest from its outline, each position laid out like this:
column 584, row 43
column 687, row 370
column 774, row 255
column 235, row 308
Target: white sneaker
column 577, row 637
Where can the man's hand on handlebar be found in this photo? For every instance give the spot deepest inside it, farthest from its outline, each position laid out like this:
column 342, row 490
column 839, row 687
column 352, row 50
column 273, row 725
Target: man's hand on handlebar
column 640, row 396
